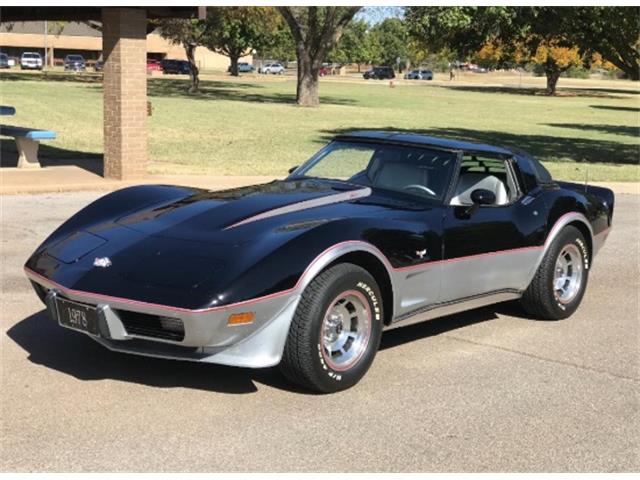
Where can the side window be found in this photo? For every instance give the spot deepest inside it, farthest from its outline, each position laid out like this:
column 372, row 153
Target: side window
column 488, row 173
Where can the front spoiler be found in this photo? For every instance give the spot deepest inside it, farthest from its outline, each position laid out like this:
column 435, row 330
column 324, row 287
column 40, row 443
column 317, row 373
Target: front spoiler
column 208, row 338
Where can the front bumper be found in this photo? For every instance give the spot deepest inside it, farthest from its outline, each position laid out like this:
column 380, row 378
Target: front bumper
column 207, row 335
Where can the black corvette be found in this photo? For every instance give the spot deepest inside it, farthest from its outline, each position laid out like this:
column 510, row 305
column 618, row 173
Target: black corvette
column 377, row 229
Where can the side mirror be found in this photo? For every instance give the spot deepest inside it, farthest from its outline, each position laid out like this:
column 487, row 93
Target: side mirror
column 482, row 196
column 293, row 169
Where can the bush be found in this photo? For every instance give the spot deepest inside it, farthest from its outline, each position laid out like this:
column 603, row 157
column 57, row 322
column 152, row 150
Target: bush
column 537, row 69
column 576, row 72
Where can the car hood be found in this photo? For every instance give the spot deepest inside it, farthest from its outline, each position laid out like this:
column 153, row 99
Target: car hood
column 197, row 243
column 218, row 216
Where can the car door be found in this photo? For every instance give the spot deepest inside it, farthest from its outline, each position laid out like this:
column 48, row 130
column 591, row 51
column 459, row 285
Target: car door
column 490, row 248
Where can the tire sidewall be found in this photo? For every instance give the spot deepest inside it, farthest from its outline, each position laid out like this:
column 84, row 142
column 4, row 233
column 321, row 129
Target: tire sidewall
column 363, row 283
column 569, row 236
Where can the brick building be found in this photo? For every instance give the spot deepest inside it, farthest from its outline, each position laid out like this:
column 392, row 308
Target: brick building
column 64, row 38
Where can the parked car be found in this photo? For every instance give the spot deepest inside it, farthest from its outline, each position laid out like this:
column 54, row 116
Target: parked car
column 74, row 63
column 176, row 66
column 153, row 65
column 98, row 66
column 243, row 67
column 273, row 68
column 30, row 61
column 419, row 75
column 4, row 61
column 379, row 73
column 306, row 272
column 324, row 70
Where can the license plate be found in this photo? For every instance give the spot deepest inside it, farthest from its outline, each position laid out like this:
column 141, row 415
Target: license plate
column 77, row 316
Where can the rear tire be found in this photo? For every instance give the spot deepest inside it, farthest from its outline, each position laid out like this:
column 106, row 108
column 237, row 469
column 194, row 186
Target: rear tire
column 335, row 332
column 561, row 279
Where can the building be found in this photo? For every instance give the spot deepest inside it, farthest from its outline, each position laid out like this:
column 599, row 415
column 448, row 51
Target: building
column 64, row 38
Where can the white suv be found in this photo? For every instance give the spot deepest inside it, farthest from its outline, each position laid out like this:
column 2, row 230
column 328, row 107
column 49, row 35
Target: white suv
column 31, row 61
column 274, row 68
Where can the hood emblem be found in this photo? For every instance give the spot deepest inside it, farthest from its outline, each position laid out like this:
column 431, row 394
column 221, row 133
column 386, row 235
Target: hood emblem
column 421, row 253
column 102, row 262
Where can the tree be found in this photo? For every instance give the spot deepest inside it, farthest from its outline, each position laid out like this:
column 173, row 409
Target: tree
column 551, row 35
column 392, row 37
column 555, row 60
column 315, row 31
column 463, row 30
column 535, row 33
column 234, row 31
column 189, row 33
column 612, row 32
column 353, row 46
column 279, row 45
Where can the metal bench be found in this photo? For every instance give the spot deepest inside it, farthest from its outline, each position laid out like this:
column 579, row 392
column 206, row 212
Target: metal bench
column 27, row 141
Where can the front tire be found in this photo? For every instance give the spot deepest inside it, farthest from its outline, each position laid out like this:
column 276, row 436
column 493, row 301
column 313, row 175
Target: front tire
column 561, row 279
column 335, row 332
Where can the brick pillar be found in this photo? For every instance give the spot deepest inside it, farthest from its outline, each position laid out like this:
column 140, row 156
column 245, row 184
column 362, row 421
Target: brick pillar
column 124, row 48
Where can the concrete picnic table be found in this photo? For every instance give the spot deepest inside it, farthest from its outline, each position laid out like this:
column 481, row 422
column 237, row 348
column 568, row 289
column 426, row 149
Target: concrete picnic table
column 27, row 139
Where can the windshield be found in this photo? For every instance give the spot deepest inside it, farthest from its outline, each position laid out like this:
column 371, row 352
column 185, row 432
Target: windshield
column 408, row 169
column 30, row 55
column 75, row 58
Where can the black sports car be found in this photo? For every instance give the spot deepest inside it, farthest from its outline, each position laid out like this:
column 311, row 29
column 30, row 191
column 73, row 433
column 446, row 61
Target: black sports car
column 377, row 229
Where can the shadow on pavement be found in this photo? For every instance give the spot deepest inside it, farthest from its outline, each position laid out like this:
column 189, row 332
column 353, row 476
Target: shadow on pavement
column 74, row 354
column 401, row 335
column 51, row 156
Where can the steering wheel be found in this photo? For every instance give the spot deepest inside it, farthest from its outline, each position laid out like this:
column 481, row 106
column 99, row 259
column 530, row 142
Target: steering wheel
column 420, row 187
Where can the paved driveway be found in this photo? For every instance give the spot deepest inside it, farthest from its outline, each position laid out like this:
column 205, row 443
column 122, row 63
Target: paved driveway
column 486, row 390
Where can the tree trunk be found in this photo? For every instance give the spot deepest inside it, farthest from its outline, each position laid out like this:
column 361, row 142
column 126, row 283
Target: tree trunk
column 193, row 68
column 308, row 73
column 552, row 80
column 234, row 65
column 631, row 70
column 625, row 58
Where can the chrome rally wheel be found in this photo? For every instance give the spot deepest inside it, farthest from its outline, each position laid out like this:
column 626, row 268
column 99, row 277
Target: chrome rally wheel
column 561, row 279
column 567, row 278
column 336, row 330
column 346, row 329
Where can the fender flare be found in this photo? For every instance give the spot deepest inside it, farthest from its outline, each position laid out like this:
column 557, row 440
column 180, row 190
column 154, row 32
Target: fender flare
column 336, row 251
column 562, row 222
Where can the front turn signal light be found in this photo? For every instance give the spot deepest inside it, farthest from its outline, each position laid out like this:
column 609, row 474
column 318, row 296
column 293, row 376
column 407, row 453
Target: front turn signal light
column 243, row 318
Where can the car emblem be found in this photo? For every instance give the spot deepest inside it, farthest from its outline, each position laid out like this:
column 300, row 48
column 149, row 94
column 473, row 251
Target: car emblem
column 421, row 253
column 102, row 262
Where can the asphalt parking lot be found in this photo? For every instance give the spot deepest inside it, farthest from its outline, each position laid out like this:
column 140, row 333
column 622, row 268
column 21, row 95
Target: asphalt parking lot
column 488, row 390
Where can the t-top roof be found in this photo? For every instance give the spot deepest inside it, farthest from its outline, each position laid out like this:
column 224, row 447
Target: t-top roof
column 419, row 139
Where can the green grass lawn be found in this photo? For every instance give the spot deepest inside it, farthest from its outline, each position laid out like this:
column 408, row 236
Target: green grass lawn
column 253, row 126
